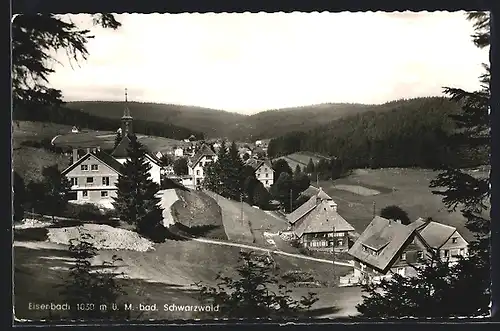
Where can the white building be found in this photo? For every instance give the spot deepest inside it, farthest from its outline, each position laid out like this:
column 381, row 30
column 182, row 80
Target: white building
column 196, row 165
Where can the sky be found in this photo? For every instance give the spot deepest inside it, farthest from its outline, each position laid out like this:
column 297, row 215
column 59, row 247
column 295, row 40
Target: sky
column 253, row 62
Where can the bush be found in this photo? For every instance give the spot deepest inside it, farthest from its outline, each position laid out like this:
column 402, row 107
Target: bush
column 86, row 212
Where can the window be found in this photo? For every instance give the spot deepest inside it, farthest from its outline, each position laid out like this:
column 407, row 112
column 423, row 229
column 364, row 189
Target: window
column 85, row 194
column 90, row 180
column 104, row 194
column 403, row 256
column 84, row 167
column 420, row 255
column 462, row 251
column 74, row 181
column 267, row 182
column 94, row 167
column 340, row 242
column 105, row 181
column 197, row 172
column 446, row 253
column 266, row 174
column 454, row 240
column 340, row 234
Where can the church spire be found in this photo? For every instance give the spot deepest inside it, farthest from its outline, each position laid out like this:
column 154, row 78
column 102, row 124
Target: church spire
column 126, row 118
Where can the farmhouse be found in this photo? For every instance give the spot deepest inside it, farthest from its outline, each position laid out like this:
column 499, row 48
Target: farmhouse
column 319, row 226
column 197, row 163
column 388, row 247
column 263, row 171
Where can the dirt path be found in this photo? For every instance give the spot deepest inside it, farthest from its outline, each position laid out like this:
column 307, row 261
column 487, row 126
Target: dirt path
column 268, row 250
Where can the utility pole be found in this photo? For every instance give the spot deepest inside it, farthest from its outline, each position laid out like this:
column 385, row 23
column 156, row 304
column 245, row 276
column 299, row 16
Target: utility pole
column 291, row 200
column 241, row 205
column 374, row 209
column 317, row 179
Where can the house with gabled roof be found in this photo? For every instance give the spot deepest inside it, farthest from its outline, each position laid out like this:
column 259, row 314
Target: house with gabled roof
column 197, row 163
column 444, row 240
column 263, row 170
column 319, row 226
column 93, row 178
column 387, row 247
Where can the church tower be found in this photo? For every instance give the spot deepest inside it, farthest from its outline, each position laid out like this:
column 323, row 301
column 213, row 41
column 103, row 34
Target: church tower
column 126, row 119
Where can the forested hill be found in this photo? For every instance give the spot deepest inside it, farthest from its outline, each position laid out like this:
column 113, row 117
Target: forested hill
column 69, row 116
column 212, row 122
column 408, row 133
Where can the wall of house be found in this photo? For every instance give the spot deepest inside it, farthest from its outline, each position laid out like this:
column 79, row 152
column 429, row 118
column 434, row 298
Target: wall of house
column 95, row 195
column 197, row 172
column 324, row 241
column 97, row 176
column 265, row 175
column 454, row 247
column 154, row 172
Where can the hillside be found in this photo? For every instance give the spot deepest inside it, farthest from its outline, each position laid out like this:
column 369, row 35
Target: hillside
column 99, row 121
column 212, row 122
column 407, row 133
column 217, row 123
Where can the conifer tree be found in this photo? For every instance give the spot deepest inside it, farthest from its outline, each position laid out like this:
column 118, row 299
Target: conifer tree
column 297, row 171
column 234, row 180
column 118, row 138
column 136, row 202
column 56, row 189
column 310, row 168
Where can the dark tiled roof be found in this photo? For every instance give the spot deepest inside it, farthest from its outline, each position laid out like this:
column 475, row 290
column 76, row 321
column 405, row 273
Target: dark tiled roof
column 379, row 232
column 204, row 150
column 302, row 210
column 109, row 160
column 102, row 156
column 322, row 218
column 436, row 234
column 121, row 149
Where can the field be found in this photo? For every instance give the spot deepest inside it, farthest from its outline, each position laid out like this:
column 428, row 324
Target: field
column 406, row 188
column 199, row 212
column 300, row 158
column 29, row 162
column 26, row 130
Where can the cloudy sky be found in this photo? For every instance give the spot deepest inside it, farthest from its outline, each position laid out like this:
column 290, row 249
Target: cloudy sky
column 253, row 62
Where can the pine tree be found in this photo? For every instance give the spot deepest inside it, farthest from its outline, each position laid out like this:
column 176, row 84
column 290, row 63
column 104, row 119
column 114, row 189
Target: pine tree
column 395, row 213
column 260, row 195
column 136, row 202
column 297, row 171
column 118, row 138
column 310, row 168
column 56, row 189
column 234, row 179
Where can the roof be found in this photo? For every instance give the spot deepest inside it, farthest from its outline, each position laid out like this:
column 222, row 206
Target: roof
column 302, row 210
column 102, row 156
column 312, row 190
column 256, row 164
column 386, row 236
column 121, row 150
column 204, row 150
column 323, row 218
column 436, row 234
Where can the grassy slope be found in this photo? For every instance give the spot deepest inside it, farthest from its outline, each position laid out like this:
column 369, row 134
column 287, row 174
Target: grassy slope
column 411, row 192
column 29, row 162
column 27, row 130
column 299, row 158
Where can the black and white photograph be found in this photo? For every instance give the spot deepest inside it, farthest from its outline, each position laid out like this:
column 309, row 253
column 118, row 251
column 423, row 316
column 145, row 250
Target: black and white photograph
column 255, row 166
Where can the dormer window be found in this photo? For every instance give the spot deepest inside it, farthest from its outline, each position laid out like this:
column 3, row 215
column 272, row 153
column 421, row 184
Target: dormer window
column 403, row 257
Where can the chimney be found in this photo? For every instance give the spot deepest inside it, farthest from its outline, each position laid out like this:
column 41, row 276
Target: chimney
column 88, row 149
column 75, row 155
